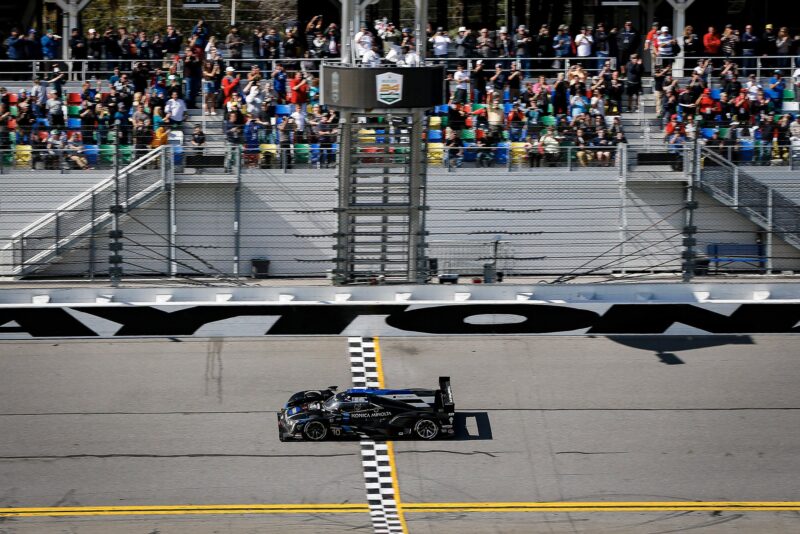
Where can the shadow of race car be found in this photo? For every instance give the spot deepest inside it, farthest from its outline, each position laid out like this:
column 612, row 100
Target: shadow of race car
column 316, row 415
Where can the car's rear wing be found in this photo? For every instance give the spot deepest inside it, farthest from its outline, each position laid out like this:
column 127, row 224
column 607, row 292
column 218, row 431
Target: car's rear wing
column 444, row 398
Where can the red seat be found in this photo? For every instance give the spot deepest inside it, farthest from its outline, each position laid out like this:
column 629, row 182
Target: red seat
column 13, row 98
column 74, row 98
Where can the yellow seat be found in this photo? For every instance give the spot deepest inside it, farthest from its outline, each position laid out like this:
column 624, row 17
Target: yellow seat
column 268, row 148
column 435, row 123
column 22, row 155
column 366, row 135
column 435, row 152
column 517, row 152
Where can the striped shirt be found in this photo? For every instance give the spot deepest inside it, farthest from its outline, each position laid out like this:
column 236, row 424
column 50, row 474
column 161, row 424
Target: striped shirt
column 664, row 41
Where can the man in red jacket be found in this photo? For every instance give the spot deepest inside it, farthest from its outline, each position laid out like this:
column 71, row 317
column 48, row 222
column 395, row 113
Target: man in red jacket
column 712, row 42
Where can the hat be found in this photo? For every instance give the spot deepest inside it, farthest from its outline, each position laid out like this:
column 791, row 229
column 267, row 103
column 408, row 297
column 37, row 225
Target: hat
column 653, row 25
column 171, row 77
column 768, row 27
column 776, row 71
column 664, row 29
column 229, row 69
column 462, row 28
column 439, row 29
column 522, row 27
column 53, row 132
column 706, row 91
column 479, row 62
column 92, row 30
column 503, row 29
column 56, row 69
column 31, row 31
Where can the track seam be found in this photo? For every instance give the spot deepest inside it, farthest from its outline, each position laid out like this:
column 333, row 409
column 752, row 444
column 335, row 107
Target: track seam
column 376, row 458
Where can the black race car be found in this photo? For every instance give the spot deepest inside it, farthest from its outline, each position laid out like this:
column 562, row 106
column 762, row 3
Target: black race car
column 321, row 414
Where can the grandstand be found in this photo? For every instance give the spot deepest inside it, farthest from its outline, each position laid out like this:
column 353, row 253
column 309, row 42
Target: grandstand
column 578, row 163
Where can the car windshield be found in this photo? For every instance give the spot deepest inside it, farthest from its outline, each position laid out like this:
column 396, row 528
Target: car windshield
column 333, row 402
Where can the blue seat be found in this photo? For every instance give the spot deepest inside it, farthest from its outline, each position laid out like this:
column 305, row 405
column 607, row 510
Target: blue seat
column 315, row 152
column 507, row 107
column 434, row 135
column 41, row 121
column 441, row 110
column 177, row 154
column 283, row 109
column 708, row 132
column 469, row 151
column 501, row 152
column 92, row 153
column 716, row 94
column 73, row 124
column 747, row 150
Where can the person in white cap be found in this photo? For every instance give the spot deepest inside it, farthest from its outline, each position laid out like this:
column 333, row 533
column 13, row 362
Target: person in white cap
column 665, row 47
column 465, row 43
column 440, row 41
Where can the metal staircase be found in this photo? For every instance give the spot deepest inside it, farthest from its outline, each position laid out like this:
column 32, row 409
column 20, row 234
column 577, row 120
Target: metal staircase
column 757, row 201
column 381, row 198
column 45, row 240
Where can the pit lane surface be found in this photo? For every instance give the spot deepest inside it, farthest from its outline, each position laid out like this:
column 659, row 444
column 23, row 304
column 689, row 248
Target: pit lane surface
column 542, row 419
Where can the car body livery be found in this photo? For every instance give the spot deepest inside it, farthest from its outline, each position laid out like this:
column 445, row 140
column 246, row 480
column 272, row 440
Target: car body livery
column 317, row 415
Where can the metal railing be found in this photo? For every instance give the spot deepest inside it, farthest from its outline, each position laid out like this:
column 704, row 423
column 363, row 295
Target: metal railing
column 750, row 196
column 82, row 217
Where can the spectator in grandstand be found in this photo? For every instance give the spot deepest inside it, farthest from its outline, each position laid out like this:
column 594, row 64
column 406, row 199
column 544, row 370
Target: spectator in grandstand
column 497, row 84
column 602, row 45
column 54, row 107
column 560, row 95
column 634, row 70
column 516, row 122
column 485, row 44
column 503, row 45
column 628, row 41
column 175, row 110
column 454, row 151
column 478, row 82
column 33, row 48
column 14, row 45
column 362, row 42
column 729, row 42
column 461, row 78
column 712, row 43
column 730, row 70
column 783, row 48
column 523, row 48
column 665, row 46
column 691, row 43
column 75, row 153
column 777, row 85
column 768, row 47
column 50, row 44
column 749, row 43
column 562, row 46
column 465, row 43
column 534, row 151
column 659, row 76
column 441, row 42
column 298, row 89
column 584, row 42
column 409, row 58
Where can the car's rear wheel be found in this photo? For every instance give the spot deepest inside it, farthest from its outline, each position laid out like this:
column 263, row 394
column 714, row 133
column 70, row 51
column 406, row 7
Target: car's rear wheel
column 426, row 429
column 315, row 431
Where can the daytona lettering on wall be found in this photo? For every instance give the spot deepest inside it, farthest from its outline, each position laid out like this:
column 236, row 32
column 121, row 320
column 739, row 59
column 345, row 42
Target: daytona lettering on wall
column 399, row 319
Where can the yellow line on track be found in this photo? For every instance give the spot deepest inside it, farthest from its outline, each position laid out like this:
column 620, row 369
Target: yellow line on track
column 389, row 444
column 451, row 507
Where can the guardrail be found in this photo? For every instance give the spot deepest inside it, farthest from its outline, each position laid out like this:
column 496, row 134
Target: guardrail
column 56, row 233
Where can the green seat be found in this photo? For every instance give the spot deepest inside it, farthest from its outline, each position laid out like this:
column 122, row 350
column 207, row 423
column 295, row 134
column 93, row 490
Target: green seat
column 125, row 154
column 107, row 154
column 14, row 110
column 550, row 109
column 468, row 134
column 73, row 111
column 723, row 133
column 476, row 107
column 302, row 153
column 548, row 120
column 788, row 95
column 445, row 121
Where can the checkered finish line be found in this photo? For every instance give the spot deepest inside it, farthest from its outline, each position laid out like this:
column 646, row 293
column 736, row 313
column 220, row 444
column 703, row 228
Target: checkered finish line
column 375, row 457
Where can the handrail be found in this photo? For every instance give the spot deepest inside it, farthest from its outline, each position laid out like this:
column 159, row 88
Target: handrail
column 147, row 158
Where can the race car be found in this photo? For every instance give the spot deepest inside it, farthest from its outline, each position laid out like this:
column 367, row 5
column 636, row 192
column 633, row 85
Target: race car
column 316, row 415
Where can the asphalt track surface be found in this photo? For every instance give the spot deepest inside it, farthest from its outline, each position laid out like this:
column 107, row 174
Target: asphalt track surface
column 619, row 422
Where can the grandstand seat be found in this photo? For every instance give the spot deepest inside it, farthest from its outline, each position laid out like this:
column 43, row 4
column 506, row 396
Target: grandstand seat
column 22, row 155
column 302, row 153
column 435, row 122
column 74, row 99
column 469, row 151
column 501, row 152
column 444, row 109
column 41, row 121
column 435, row 153
column 707, row 132
column 316, row 151
column 380, row 136
column 366, row 135
column 746, row 150
column 445, row 121
column 788, row 95
column 13, row 98
column 476, row 107
column 92, row 153
column 434, row 135
column 73, row 111
column 468, row 134
column 518, row 152
column 175, row 137
column 716, row 94
column 791, row 107
column 507, row 107
column 548, row 120
column 107, row 154
column 506, row 95
column 177, row 154
column 283, row 109
column 73, row 123
column 14, row 110
column 723, row 133
column 126, row 153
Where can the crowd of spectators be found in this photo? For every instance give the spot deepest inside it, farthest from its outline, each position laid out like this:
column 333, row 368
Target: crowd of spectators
column 507, row 85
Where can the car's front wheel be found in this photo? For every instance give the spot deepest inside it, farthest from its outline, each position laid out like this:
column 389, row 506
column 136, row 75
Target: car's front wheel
column 315, row 431
column 426, row 429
